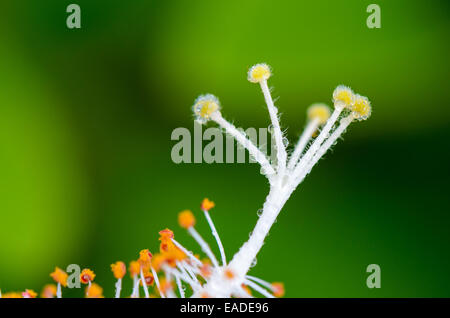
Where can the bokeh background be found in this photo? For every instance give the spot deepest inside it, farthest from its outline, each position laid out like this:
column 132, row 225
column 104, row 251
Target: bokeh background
column 86, row 117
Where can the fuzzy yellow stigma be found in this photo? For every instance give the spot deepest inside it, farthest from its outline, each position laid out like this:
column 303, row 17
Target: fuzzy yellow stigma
column 186, row 219
column 361, row 109
column 343, row 96
column 258, row 73
column 320, row 112
column 119, row 269
column 204, row 107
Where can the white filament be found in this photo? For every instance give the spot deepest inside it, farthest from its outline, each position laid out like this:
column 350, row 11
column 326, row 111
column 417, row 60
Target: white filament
column 205, row 247
column 216, row 236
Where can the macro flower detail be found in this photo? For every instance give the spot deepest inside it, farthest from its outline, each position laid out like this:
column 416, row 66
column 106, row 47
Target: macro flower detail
column 258, row 73
column 319, row 112
column 94, row 291
column 207, row 204
column 87, row 276
column 60, row 277
column 186, row 219
column 175, row 271
column 49, row 291
column 119, row 269
column 204, row 107
column 29, row 293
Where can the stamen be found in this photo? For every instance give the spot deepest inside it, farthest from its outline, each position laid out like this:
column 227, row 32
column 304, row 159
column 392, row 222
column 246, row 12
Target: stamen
column 206, row 208
column 259, row 289
column 144, row 284
column 259, row 281
column 155, row 275
column 135, row 292
column 180, row 287
column 185, row 251
column 205, row 247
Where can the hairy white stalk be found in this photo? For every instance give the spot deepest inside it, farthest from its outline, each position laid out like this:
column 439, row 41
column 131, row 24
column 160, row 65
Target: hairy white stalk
column 216, row 236
column 243, row 259
column 118, row 287
column 205, row 247
column 254, row 151
column 318, row 142
column 279, row 145
column 344, row 123
column 311, row 127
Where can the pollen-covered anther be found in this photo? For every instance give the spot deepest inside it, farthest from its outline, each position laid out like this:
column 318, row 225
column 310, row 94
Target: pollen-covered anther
column 119, row 269
column 145, row 258
column 157, row 261
column 319, row 112
column 59, row 276
column 207, row 205
column 247, row 289
column 166, row 234
column 186, row 219
column 206, row 270
column 12, row 295
column 134, row 268
column 87, row 276
column 29, row 293
column 49, row 291
column 229, row 274
column 204, row 107
column 94, row 291
column 343, row 97
column 149, row 279
column 258, row 73
column 278, row 289
column 361, row 109
column 165, row 285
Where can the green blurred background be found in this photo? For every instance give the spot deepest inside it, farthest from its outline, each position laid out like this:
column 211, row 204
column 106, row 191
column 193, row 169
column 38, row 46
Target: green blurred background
column 86, row 117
